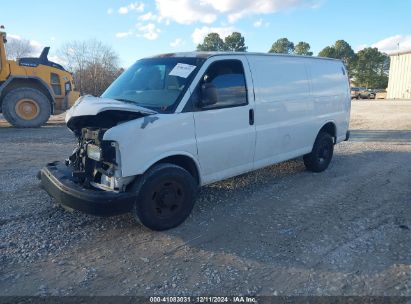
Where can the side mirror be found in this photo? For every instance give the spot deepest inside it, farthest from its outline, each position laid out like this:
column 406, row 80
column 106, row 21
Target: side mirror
column 208, row 95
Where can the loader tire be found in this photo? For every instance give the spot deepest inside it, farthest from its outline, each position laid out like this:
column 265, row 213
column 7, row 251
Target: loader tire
column 26, row 108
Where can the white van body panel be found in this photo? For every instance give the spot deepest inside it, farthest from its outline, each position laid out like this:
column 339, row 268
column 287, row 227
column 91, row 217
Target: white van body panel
column 295, row 97
column 330, row 92
column 284, row 109
column 144, row 141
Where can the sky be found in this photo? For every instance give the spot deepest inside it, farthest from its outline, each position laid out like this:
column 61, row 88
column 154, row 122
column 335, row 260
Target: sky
column 137, row 29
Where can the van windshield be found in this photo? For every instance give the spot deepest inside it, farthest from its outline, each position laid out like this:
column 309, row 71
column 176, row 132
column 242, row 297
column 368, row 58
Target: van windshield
column 155, row 83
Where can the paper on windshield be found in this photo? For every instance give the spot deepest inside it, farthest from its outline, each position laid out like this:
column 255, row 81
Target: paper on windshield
column 182, row 70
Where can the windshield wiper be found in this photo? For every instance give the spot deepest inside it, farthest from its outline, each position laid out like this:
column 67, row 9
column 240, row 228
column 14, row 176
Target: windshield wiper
column 135, row 103
column 125, row 100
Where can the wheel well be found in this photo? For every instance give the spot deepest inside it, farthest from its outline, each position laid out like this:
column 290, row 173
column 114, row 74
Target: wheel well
column 184, row 162
column 330, row 129
column 27, row 83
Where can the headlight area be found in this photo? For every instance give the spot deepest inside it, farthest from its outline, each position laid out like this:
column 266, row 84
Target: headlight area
column 96, row 162
column 94, row 152
column 103, row 151
column 106, row 175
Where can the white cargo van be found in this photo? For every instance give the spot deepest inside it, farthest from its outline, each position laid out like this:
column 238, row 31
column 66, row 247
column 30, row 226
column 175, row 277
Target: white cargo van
column 175, row 122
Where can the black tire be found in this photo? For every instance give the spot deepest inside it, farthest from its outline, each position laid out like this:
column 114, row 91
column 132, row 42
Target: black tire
column 26, row 108
column 166, row 195
column 321, row 154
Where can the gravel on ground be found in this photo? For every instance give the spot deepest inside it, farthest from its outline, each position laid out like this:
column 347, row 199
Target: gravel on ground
column 278, row 231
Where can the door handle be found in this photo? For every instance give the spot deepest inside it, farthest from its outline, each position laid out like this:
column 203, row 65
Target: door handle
column 251, row 117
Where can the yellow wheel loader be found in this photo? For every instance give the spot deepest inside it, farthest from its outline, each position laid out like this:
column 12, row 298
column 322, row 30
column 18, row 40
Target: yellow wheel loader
column 31, row 89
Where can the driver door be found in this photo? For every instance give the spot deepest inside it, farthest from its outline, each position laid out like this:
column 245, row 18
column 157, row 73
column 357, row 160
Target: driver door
column 225, row 130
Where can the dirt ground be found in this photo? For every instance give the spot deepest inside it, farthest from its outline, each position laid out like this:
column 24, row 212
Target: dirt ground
column 277, row 231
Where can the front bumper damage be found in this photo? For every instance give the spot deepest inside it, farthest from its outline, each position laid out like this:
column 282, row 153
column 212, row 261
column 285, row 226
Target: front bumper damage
column 57, row 180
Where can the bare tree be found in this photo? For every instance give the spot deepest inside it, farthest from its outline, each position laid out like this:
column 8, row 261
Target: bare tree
column 94, row 65
column 17, row 48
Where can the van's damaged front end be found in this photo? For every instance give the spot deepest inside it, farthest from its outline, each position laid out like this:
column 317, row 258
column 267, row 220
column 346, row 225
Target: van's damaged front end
column 91, row 180
column 121, row 135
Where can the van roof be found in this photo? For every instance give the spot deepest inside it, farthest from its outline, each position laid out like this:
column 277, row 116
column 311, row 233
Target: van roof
column 400, row 53
column 206, row 55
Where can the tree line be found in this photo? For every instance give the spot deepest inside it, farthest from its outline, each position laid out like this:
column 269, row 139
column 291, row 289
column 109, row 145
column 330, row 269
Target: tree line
column 95, row 65
column 367, row 68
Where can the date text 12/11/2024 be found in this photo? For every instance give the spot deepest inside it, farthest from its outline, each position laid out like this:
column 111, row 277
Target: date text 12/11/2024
column 204, row 299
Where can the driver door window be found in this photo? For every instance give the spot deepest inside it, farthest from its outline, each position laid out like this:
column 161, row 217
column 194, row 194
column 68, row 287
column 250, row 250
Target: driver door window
column 223, row 85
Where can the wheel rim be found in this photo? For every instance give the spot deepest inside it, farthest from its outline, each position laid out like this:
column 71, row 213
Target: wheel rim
column 167, row 199
column 324, row 153
column 27, row 109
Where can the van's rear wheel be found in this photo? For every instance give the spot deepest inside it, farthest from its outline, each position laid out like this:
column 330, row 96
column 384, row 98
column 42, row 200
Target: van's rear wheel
column 321, row 154
column 26, row 108
column 166, row 195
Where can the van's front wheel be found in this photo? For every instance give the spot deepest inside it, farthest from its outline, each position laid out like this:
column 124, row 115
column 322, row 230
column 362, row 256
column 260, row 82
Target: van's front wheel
column 321, row 154
column 166, row 195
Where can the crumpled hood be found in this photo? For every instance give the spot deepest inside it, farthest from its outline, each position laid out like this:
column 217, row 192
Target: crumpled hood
column 89, row 105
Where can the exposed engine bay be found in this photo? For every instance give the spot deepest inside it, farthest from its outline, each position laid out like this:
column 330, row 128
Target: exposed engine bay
column 94, row 161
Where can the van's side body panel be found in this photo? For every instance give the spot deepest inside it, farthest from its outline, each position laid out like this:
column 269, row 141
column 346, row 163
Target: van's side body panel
column 295, row 97
column 330, row 92
column 284, row 110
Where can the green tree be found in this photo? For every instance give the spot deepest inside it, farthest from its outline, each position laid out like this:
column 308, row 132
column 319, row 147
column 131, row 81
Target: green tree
column 371, row 68
column 282, row 46
column 340, row 50
column 235, row 43
column 303, row 48
column 328, row 51
column 212, row 42
column 345, row 52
